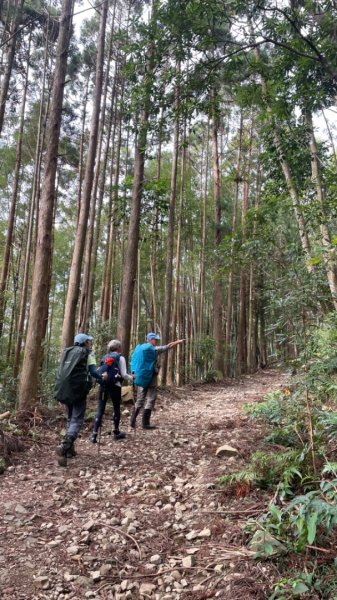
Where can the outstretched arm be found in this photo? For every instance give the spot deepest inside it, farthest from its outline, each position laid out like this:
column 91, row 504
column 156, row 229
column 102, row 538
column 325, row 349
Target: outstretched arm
column 175, row 343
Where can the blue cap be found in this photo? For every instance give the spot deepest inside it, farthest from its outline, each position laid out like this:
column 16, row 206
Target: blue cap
column 81, row 338
column 152, row 336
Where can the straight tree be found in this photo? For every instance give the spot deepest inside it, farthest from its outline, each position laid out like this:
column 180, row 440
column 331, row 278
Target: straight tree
column 68, row 329
column 42, row 272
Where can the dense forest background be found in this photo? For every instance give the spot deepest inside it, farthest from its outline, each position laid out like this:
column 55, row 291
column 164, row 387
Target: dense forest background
column 166, row 166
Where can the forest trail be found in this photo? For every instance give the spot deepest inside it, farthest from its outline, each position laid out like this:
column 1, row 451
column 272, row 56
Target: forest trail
column 139, row 518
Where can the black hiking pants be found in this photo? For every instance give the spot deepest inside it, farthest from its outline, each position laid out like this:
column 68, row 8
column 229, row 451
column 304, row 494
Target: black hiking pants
column 104, row 393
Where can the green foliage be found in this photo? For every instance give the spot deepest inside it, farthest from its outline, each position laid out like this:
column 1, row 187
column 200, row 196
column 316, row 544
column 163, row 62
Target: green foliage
column 8, row 391
column 292, row 587
column 321, row 368
column 280, row 410
column 304, row 511
column 266, row 469
column 204, row 353
column 306, row 520
column 272, row 410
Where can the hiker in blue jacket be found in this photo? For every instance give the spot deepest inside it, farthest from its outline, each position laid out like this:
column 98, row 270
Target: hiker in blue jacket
column 111, row 388
column 145, row 367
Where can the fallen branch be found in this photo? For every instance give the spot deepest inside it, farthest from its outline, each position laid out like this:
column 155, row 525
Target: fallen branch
column 320, row 549
column 5, row 415
column 123, row 533
column 234, row 512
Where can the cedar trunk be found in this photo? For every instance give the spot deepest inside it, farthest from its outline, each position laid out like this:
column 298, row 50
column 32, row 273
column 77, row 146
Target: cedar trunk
column 41, row 277
column 218, row 285
column 170, row 235
column 76, row 265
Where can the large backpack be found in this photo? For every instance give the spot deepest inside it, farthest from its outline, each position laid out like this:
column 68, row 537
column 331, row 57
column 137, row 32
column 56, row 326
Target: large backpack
column 110, row 365
column 73, row 381
column 143, row 362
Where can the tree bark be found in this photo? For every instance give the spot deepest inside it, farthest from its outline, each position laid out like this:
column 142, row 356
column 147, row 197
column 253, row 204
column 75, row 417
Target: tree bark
column 41, row 276
column 290, row 182
column 177, row 286
column 242, row 326
column 86, row 299
column 154, row 238
column 230, row 283
column 130, row 264
column 11, row 46
column 113, row 195
column 203, row 238
column 252, row 310
column 329, row 251
column 218, row 284
column 68, row 329
column 170, row 232
column 34, row 199
column 12, row 211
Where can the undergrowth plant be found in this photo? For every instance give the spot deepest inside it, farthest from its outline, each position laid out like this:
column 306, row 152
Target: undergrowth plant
column 296, row 464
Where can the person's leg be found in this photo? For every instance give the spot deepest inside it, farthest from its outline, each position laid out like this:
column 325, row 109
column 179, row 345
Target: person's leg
column 116, row 395
column 149, row 405
column 101, row 404
column 73, row 429
column 140, row 399
column 69, row 414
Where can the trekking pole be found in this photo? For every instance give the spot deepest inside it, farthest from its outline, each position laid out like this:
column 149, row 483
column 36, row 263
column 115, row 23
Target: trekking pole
column 99, row 439
column 100, row 427
column 134, row 395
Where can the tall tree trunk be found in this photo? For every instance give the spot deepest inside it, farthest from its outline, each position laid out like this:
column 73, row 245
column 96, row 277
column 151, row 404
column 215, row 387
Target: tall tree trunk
column 93, row 232
column 330, row 252
column 34, row 200
column 286, row 169
column 68, row 329
column 41, row 276
column 12, row 210
column 154, row 237
column 252, row 316
column 218, row 284
column 170, row 231
column 81, row 152
column 262, row 358
column 130, row 265
column 106, row 304
column 332, row 142
column 123, row 223
column 203, row 238
column 230, row 284
column 177, row 286
column 101, row 189
column 242, row 326
column 110, row 245
column 11, row 45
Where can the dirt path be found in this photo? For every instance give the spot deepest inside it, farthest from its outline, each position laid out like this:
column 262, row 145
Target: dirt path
column 142, row 518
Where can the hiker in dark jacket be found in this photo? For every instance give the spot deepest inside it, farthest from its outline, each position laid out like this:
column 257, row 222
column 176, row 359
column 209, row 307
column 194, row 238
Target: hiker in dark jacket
column 111, row 388
column 145, row 366
column 77, row 393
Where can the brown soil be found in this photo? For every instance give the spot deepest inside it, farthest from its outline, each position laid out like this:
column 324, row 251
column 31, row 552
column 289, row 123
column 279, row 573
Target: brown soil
column 116, row 523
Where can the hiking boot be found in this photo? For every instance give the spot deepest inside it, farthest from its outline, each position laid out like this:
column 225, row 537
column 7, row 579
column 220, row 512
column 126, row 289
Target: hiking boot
column 146, row 419
column 93, row 438
column 63, row 449
column 118, row 435
column 71, row 453
column 134, row 414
